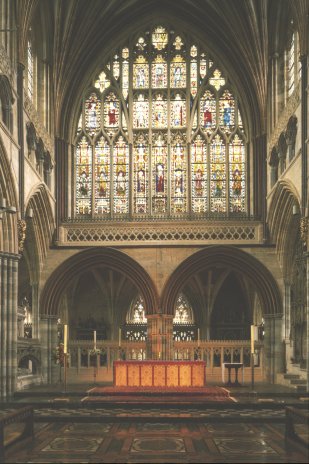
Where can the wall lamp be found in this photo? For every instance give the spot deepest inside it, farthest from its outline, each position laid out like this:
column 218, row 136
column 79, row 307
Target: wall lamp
column 4, row 208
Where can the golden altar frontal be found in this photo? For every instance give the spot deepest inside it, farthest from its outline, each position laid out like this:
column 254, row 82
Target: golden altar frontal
column 162, row 374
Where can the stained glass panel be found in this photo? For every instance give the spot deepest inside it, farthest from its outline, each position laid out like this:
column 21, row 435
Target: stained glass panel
column 208, row 118
column 217, row 81
column 159, row 38
column 141, row 44
column 140, row 73
column 193, row 77
column 124, row 122
column 227, row 112
column 240, row 124
column 159, row 73
column 193, row 51
column 203, row 66
column 159, row 112
column 125, row 79
column 102, row 82
column 102, row 177
column 178, row 72
column 156, row 93
column 178, row 111
column 199, row 175
column 183, row 311
column 159, row 174
column 83, row 176
column 237, row 175
column 141, row 174
column 80, row 124
column 121, row 176
column 92, row 114
column 178, row 176
column 111, row 113
column 178, row 43
column 217, row 175
column 116, row 67
column 140, row 112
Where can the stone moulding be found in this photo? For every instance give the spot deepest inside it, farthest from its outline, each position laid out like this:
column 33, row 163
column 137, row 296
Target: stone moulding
column 159, row 233
column 40, row 129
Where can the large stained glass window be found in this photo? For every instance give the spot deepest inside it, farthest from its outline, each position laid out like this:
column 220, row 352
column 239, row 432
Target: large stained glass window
column 160, row 134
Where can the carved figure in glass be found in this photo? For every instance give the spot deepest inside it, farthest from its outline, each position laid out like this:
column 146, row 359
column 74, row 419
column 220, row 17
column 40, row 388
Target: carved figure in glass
column 160, row 178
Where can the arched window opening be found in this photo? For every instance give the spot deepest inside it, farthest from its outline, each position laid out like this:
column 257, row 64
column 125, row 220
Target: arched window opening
column 184, row 328
column 30, row 67
column 160, row 135
column 6, row 101
column 292, row 63
column 136, row 321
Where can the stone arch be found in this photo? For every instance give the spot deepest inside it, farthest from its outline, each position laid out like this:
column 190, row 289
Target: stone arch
column 75, row 266
column 6, row 101
column 283, row 222
column 234, row 259
column 40, row 227
column 8, row 223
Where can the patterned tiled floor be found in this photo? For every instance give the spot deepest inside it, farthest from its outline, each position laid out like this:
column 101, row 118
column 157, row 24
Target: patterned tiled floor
column 144, row 442
column 188, row 412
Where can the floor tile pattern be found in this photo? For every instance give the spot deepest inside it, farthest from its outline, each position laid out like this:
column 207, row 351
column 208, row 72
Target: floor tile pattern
column 144, row 442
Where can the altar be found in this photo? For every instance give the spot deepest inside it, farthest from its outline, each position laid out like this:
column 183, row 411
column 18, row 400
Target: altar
column 164, row 374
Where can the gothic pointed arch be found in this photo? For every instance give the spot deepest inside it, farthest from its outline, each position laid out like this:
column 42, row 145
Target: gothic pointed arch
column 155, row 90
column 86, row 260
column 40, row 228
column 8, row 190
column 283, row 222
column 230, row 257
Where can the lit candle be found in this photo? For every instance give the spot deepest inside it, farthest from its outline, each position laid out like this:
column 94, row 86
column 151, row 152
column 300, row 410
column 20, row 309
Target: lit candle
column 95, row 339
column 119, row 341
column 65, row 339
column 252, row 339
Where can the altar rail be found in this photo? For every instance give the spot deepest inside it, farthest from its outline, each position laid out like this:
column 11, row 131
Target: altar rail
column 214, row 352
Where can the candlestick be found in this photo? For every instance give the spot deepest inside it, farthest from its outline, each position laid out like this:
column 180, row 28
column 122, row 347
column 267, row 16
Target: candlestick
column 94, row 339
column 119, row 341
column 198, row 337
column 65, row 339
column 252, row 339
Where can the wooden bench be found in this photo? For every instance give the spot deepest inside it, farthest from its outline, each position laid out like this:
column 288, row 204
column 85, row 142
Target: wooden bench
column 15, row 426
column 295, row 418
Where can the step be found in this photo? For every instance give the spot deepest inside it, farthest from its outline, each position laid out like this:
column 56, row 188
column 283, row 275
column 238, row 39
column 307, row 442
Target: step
column 298, row 382
column 301, row 388
column 291, row 376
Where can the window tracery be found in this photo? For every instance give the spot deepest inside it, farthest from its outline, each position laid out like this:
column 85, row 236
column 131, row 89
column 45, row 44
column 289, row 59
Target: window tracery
column 162, row 130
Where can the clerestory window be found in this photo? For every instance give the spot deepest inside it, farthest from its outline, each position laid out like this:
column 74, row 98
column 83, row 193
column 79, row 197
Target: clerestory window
column 160, row 134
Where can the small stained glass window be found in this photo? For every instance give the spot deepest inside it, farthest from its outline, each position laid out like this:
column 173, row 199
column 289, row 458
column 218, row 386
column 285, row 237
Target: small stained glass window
column 159, row 73
column 102, row 82
column 178, row 72
column 159, row 38
column 217, row 80
column 92, row 114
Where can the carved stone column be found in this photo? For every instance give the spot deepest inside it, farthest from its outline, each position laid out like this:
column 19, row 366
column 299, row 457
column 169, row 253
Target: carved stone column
column 273, row 346
column 160, row 337
column 49, row 341
column 8, row 324
column 287, row 324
